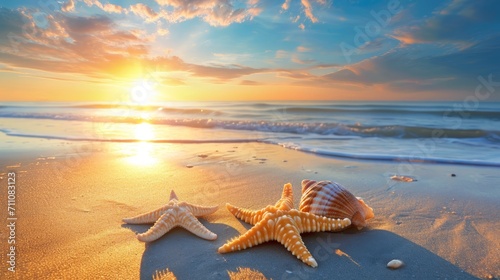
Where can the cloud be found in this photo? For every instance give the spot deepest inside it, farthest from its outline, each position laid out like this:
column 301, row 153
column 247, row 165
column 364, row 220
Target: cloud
column 296, row 59
column 93, row 24
column 402, row 69
column 144, row 12
column 249, row 83
column 302, row 26
column 214, row 12
column 281, row 54
column 110, row 8
column 303, row 49
column 298, row 75
column 285, row 5
column 460, row 22
column 223, row 72
column 232, row 58
column 68, row 6
column 92, row 46
column 307, row 9
column 160, row 30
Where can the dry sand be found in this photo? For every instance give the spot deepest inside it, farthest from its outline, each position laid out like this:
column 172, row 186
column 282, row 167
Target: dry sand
column 69, row 211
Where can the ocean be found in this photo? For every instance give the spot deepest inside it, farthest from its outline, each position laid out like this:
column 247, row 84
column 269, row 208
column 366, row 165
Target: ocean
column 429, row 132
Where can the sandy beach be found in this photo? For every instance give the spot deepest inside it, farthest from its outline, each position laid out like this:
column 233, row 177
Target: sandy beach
column 69, row 209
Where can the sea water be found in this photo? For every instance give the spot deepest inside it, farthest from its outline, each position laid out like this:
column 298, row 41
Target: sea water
column 436, row 132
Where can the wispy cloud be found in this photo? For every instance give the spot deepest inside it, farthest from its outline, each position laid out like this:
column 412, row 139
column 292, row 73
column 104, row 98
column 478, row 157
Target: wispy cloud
column 468, row 18
column 249, row 83
column 455, row 70
column 303, row 49
column 144, row 12
column 307, row 9
column 214, row 12
column 110, row 8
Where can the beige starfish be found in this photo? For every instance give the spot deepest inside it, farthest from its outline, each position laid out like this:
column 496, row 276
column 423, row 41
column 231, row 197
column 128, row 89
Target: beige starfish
column 173, row 214
column 281, row 223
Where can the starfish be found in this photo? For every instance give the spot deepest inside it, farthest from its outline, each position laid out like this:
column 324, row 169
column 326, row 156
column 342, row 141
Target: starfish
column 282, row 223
column 174, row 213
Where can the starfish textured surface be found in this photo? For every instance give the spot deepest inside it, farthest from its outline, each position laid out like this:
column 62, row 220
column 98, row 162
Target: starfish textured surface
column 174, row 213
column 282, row 223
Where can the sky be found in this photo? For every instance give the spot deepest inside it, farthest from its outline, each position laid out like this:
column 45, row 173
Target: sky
column 162, row 50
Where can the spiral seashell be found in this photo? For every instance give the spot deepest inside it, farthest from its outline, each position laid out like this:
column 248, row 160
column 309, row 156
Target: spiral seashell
column 332, row 200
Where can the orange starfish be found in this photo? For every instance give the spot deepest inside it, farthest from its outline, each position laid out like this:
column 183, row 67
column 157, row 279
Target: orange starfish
column 173, row 214
column 281, row 223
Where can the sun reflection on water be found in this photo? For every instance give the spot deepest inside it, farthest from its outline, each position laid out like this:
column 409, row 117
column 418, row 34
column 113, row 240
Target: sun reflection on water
column 143, row 152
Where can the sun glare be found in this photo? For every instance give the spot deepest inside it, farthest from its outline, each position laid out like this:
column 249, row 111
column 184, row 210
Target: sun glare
column 144, row 132
column 143, row 91
column 143, row 152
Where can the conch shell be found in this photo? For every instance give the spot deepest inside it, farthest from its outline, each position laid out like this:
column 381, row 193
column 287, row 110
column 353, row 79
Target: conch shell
column 332, row 200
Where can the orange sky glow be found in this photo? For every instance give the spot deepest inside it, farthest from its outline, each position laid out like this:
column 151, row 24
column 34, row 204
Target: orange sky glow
column 98, row 50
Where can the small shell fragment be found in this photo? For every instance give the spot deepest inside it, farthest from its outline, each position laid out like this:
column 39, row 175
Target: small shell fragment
column 395, row 264
column 402, row 178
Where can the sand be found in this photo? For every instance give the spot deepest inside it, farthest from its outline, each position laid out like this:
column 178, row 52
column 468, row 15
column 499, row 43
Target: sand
column 70, row 202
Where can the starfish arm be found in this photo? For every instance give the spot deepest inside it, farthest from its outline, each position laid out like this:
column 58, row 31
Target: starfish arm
column 286, row 233
column 263, row 231
column 173, row 195
column 189, row 222
column 164, row 224
column 249, row 216
column 286, row 201
column 147, row 218
column 307, row 222
column 199, row 210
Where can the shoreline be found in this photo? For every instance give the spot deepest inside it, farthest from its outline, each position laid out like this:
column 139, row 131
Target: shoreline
column 439, row 226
